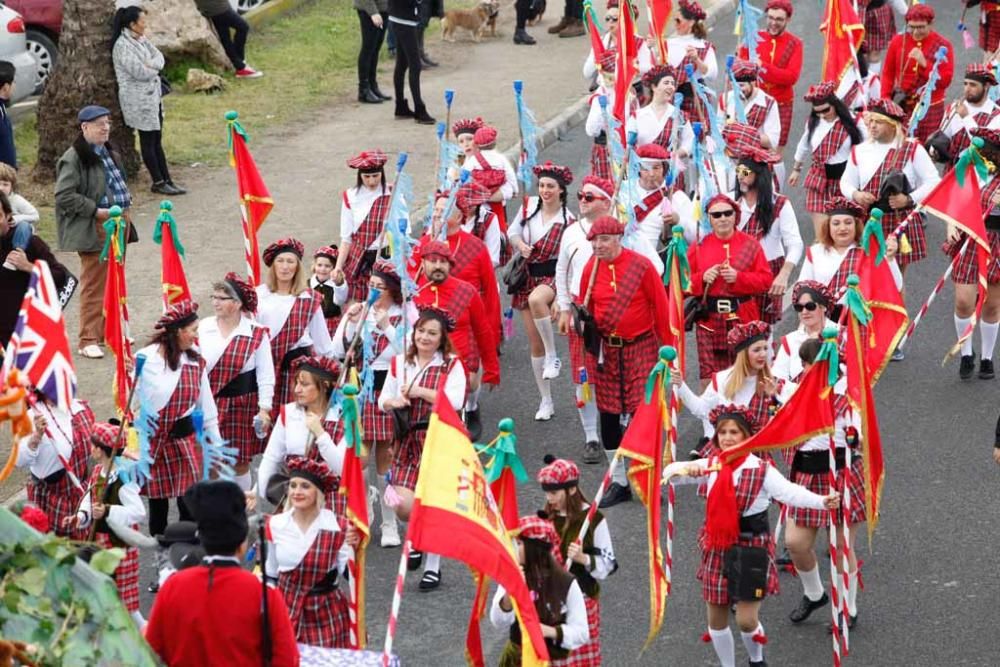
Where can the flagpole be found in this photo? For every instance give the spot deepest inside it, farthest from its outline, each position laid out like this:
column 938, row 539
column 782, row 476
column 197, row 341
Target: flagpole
column 33, row 402
column 592, row 510
column 845, row 508
column 397, row 598
column 933, row 295
column 835, row 592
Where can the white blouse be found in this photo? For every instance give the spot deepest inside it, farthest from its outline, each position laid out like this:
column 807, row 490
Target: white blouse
column 807, row 144
column 677, row 49
column 355, row 204
column 340, row 292
column 289, row 545
column 866, row 159
column 772, row 121
column 273, row 311
column 821, row 264
column 58, row 441
column 537, row 226
column 649, row 126
column 291, row 437
column 454, row 385
column 701, row 406
column 959, row 124
column 645, row 57
column 213, row 345
column 787, row 365
column 493, row 237
column 347, row 329
column 129, row 512
column 158, row 382
column 783, row 239
column 575, row 630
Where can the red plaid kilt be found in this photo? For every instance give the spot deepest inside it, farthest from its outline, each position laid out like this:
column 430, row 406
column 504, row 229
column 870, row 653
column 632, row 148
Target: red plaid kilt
column 600, row 161
column 880, row 28
column 176, row 467
column 406, row 463
column 357, row 287
column 914, row 231
column 817, row 198
column 58, row 501
column 931, row 122
column 785, row 111
column 966, row 271
column 319, row 620
column 588, row 655
column 989, row 32
column 126, row 575
column 820, row 484
column 769, row 306
column 377, row 425
column 236, row 425
column 519, row 301
column 623, row 367
column 714, row 353
column 714, row 584
column 577, row 355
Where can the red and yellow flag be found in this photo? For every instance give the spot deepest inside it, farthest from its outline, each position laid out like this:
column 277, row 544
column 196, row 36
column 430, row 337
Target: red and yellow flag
column 255, row 200
column 844, row 33
column 353, row 485
column 172, row 277
column 454, row 515
column 116, row 322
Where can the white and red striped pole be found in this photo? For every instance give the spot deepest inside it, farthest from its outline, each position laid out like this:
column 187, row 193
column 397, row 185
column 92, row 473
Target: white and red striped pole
column 592, row 511
column 671, row 498
column 835, row 592
column 933, row 295
column 845, row 506
column 397, row 598
column 352, row 604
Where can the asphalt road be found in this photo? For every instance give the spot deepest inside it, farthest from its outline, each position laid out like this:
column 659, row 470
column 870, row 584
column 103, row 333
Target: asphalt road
column 930, row 574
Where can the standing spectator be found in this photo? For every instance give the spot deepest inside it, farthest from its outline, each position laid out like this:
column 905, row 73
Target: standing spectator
column 21, row 208
column 137, row 68
column 8, row 153
column 225, row 19
column 373, row 15
column 404, row 15
column 88, row 182
column 571, row 23
column 428, row 10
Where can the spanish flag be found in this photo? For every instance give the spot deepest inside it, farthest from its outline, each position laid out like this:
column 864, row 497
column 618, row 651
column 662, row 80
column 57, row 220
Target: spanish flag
column 255, row 200
column 844, row 32
column 454, row 515
column 175, row 285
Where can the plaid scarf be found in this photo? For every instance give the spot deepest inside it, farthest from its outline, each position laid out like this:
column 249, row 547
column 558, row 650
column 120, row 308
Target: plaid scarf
column 117, row 190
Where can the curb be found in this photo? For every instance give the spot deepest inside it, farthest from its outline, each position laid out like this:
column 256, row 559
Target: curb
column 574, row 114
column 270, row 11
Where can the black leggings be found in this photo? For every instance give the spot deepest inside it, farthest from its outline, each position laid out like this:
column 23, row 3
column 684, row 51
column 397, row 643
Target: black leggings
column 522, row 8
column 159, row 508
column 611, row 430
column 234, row 45
column 407, row 58
column 151, row 147
column 371, row 42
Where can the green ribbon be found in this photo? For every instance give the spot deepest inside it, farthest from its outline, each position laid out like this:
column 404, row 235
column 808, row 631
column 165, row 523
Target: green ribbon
column 856, row 302
column 661, row 372
column 971, row 155
column 235, row 126
column 168, row 218
column 677, row 249
column 350, row 417
column 873, row 228
column 828, row 352
column 113, row 227
column 503, row 449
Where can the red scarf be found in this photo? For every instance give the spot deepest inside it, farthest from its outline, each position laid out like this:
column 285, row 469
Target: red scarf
column 722, row 516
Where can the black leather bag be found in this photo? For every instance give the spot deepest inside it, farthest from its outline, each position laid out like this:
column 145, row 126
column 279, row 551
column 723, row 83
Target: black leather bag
column 165, row 87
column 939, row 147
column 745, row 569
column 586, row 328
column 514, row 274
column 400, row 422
column 695, row 309
column 895, row 183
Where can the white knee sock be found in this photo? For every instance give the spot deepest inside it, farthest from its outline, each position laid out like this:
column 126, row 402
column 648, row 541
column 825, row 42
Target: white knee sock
column 472, row 402
column 725, row 648
column 388, row 514
column 755, row 649
column 244, row 481
column 618, row 477
column 544, row 326
column 432, row 562
column 812, row 585
column 852, row 594
column 588, row 416
column 988, row 332
column 960, row 325
column 544, row 388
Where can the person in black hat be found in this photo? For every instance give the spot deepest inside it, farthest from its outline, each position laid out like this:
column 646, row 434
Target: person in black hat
column 212, row 614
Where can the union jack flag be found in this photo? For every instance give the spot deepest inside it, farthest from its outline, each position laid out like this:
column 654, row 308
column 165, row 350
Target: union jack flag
column 39, row 347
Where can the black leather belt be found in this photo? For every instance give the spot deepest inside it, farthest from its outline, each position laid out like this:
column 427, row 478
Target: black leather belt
column 327, row 584
column 834, row 170
column 617, row 341
column 54, row 478
column 545, row 269
column 725, row 304
column 992, row 222
column 182, row 428
column 817, row 461
column 241, row 385
column 755, row 524
column 601, row 139
column 292, row 355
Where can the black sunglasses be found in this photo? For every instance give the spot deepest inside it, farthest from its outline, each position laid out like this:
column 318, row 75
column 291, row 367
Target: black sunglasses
column 822, row 110
column 588, row 197
column 721, row 214
column 810, row 306
column 610, row 19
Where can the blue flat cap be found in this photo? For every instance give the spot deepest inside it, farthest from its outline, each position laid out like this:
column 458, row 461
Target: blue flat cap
column 91, row 112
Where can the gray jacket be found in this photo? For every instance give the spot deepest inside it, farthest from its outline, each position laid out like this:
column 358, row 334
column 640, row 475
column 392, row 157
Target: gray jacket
column 137, row 68
column 372, row 7
column 80, row 185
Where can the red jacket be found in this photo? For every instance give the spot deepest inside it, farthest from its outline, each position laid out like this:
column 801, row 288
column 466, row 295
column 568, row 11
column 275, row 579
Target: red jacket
column 647, row 311
column 900, row 72
column 781, row 60
column 753, row 274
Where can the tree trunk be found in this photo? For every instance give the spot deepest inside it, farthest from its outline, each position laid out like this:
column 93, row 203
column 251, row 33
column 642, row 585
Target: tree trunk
column 84, row 75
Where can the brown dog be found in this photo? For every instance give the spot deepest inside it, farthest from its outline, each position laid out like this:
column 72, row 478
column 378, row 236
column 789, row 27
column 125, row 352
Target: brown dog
column 474, row 20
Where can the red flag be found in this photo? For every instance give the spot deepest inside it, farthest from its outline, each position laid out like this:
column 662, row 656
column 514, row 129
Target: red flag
column 626, row 57
column 454, row 515
column 352, row 485
column 594, row 30
column 643, row 442
column 255, row 200
column 843, row 32
column 175, row 285
column 889, row 318
column 659, row 16
column 859, row 392
column 116, row 322
column 675, row 306
column 504, row 491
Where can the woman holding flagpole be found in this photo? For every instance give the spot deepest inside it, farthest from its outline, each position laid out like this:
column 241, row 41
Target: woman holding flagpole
column 610, row 41
column 689, row 46
column 737, row 551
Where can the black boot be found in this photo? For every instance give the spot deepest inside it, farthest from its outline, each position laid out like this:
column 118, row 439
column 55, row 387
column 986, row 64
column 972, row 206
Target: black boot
column 424, row 59
column 474, row 424
column 378, row 93
column 421, row 116
column 179, row 189
column 615, row 494
column 522, row 37
column 967, row 366
column 403, row 109
column 366, row 96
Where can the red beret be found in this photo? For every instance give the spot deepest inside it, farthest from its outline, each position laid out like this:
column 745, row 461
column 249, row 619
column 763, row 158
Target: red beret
column 439, row 314
column 987, row 135
column 653, row 152
column 692, row 11
column 819, row 292
column 289, row 244
column 558, row 474
column 784, row 5
column 981, row 73
column 820, row 92
column 724, row 199
column 603, row 184
column 246, row 291
column 605, row 225
column 328, row 251
column 758, row 154
column 533, row 527
column 743, row 336
column 325, row 367
column 842, row 206
column 739, row 137
column 386, row 271
column 436, row 248
column 920, row 13
column 470, row 195
column 490, row 178
column 737, row 412
column 314, row 472
column 466, row 126
column 485, row 136
column 556, row 171
column 609, row 60
column 657, row 72
column 887, row 108
column 368, row 160
column 177, row 316
column 105, row 435
column 744, row 70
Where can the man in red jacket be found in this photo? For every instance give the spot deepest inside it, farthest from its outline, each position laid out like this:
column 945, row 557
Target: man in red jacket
column 908, row 64
column 780, row 56
column 211, row 614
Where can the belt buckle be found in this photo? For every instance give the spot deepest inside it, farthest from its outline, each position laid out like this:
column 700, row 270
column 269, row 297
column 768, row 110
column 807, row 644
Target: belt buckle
column 723, row 306
column 616, row 341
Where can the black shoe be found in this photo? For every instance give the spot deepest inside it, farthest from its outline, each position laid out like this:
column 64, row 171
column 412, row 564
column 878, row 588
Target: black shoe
column 592, row 452
column 154, row 587
column 403, row 109
column 421, row 116
column 967, row 366
column 378, row 92
column 760, row 663
column 986, row 369
column 522, row 37
column 414, row 560
column 430, row 581
column 616, row 494
column 426, row 61
column 165, row 188
column 180, row 190
column 474, row 424
column 366, row 96
column 784, row 560
column 807, row 607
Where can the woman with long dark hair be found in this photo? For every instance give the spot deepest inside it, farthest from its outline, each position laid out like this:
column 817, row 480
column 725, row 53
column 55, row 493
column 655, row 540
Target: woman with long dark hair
column 828, row 137
column 536, row 236
column 363, row 211
column 138, row 64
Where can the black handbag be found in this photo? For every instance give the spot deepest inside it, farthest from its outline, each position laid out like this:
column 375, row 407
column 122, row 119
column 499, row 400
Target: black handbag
column 67, row 289
column 514, row 274
column 745, row 569
column 939, row 147
column 586, row 328
column 277, row 487
column 165, row 87
column 895, row 183
column 695, row 309
column 400, row 423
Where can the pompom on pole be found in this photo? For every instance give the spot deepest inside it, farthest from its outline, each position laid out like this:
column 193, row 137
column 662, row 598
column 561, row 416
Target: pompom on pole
column 449, row 97
column 660, row 375
column 439, row 130
column 503, row 453
column 401, row 160
column 602, row 100
column 873, row 229
column 351, row 417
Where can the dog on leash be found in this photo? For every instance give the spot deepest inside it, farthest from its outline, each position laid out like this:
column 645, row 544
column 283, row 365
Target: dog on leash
column 474, row 20
column 535, row 12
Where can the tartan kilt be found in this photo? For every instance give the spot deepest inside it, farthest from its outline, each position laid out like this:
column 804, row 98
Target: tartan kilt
column 785, row 111
column 770, row 306
column 126, row 575
column 714, row 584
column 600, row 161
column 623, row 367
column 879, row 28
column 931, row 122
column 236, row 425
column 519, row 301
column 989, row 32
column 914, row 231
column 332, row 323
column 357, row 287
column 817, row 198
column 324, row 621
column 966, row 271
column 820, row 484
column 714, row 353
column 588, row 655
column 58, row 501
column 376, row 424
column 406, row 464
column 177, row 466
column 577, row 355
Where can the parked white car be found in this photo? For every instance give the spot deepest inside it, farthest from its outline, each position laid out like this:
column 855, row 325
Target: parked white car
column 14, row 49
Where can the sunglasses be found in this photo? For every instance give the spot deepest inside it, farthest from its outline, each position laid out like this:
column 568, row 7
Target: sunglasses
column 611, row 19
column 721, row 214
column 588, row 197
column 810, row 306
column 743, row 171
column 216, row 297
column 822, row 111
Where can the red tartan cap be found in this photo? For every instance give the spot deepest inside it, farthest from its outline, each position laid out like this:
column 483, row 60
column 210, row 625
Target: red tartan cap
column 842, row 206
column 738, row 413
column 471, row 195
column 724, row 199
column 657, row 72
column 439, row 314
column 757, row 154
column 981, row 73
column 555, row 171
column 490, row 178
column 387, row 272
column 603, row 184
column 652, row 152
column 887, row 108
column 105, row 435
column 244, row 290
column 289, row 244
column 324, row 367
column 987, row 135
column 814, row 288
column 466, row 125
column 605, row 225
column 920, row 13
column 558, row 474
column 437, row 248
column 692, row 11
column 368, row 160
column 784, row 5
column 742, row 336
column 485, row 136
column 311, row 470
column 329, row 251
column 740, row 136
column 746, row 71
column 609, row 60
column 533, row 527
column 820, row 92
column 177, row 316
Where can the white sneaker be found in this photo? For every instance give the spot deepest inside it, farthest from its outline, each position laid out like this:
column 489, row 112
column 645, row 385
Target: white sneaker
column 372, row 497
column 545, row 411
column 552, row 368
column 390, row 533
column 91, row 352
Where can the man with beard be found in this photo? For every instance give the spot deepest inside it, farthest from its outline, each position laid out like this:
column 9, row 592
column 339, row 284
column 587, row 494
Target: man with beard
column 976, row 109
column 574, row 252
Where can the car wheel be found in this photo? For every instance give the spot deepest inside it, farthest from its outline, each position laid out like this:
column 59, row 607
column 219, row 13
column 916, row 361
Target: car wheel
column 243, row 6
column 45, row 52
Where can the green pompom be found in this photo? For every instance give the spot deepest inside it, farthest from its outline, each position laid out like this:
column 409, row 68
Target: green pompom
column 853, row 280
column 232, row 115
column 668, row 353
column 829, row 332
column 115, row 211
column 678, row 229
column 350, row 390
column 978, row 142
column 506, row 425
column 166, row 205
column 877, row 213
